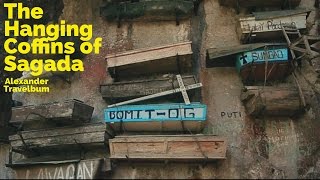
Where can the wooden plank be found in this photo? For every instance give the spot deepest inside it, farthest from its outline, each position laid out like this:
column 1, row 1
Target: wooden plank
column 121, row 91
column 163, row 59
column 76, row 169
column 37, row 139
column 269, row 28
column 193, row 86
column 67, row 112
column 175, row 147
column 157, row 117
column 252, row 64
column 258, row 3
column 273, row 101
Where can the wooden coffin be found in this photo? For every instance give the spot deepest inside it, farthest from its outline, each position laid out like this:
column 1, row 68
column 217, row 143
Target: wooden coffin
column 272, row 101
column 157, row 117
column 165, row 59
column 170, row 147
column 252, row 64
column 288, row 4
column 266, row 26
column 59, row 138
column 66, row 112
column 121, row 91
column 63, row 169
column 147, row 10
column 226, row 56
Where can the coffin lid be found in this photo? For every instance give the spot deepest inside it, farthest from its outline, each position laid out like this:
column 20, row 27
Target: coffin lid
column 214, row 53
column 278, row 14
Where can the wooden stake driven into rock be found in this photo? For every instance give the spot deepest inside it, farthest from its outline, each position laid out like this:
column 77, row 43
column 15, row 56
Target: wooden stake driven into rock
column 183, row 89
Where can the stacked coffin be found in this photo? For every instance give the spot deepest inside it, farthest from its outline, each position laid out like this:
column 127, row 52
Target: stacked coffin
column 46, row 131
column 260, row 60
column 147, row 80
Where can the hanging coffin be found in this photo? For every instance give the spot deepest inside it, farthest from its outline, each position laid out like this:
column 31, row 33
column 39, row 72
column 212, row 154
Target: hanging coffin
column 274, row 101
column 147, row 10
column 50, row 140
column 157, row 117
column 226, row 56
column 170, row 147
column 270, row 63
column 288, row 4
column 165, row 59
column 267, row 26
column 121, row 91
column 66, row 113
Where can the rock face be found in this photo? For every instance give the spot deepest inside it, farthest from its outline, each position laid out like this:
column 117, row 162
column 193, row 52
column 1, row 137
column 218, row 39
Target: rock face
column 268, row 147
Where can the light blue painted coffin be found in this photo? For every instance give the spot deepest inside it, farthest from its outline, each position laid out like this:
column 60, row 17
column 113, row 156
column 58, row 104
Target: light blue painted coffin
column 157, row 117
column 251, row 64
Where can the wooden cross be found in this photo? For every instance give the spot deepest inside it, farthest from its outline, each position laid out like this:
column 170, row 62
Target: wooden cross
column 183, row 89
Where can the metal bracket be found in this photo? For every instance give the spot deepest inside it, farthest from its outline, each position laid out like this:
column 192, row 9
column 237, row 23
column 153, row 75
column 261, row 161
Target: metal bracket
column 178, row 63
column 82, row 150
column 121, row 126
column 238, row 7
column 196, row 4
column 177, row 18
column 183, row 127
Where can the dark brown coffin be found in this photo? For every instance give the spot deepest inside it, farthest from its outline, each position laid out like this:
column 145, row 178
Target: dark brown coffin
column 67, row 112
column 66, row 138
column 273, row 101
column 133, row 89
column 256, row 72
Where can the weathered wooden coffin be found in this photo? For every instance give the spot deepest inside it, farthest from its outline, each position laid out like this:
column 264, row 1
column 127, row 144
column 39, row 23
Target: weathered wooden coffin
column 59, row 138
column 121, row 91
column 260, row 3
column 266, row 26
column 67, row 112
column 157, row 117
column 273, row 101
column 147, row 10
column 252, row 64
column 64, row 169
column 165, row 59
column 170, row 147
